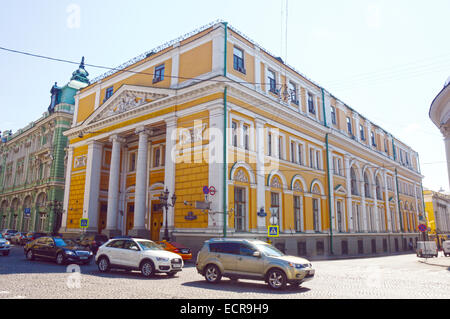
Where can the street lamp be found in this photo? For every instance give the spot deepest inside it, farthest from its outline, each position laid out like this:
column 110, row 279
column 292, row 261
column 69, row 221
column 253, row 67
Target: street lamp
column 164, row 197
column 57, row 207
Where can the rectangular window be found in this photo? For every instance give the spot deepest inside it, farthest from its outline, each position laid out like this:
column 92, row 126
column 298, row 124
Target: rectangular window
column 339, row 215
column 316, row 214
column 293, row 93
column 234, row 133
column 333, row 115
column 349, row 126
column 109, row 93
column 292, row 152
column 280, row 148
column 269, row 144
column 361, row 132
column 246, row 137
column 132, row 164
column 272, row 82
column 298, row 214
column 372, row 137
column 159, row 73
column 240, row 209
column 156, row 157
column 238, row 60
column 318, row 166
column 275, row 203
column 311, row 158
column 300, row 154
column 311, row 107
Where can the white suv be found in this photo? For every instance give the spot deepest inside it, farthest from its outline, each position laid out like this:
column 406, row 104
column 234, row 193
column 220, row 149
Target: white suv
column 137, row 254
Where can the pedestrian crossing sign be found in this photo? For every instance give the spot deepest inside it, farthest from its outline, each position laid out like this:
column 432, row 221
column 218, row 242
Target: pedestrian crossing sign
column 273, row 231
column 84, row 222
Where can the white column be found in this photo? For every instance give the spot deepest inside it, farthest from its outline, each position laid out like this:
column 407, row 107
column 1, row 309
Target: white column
column 260, row 174
column 113, row 187
column 169, row 170
column 140, row 199
column 215, row 154
column 363, row 205
column 333, row 221
column 375, row 207
column 67, row 189
column 386, row 203
column 349, row 194
column 92, row 185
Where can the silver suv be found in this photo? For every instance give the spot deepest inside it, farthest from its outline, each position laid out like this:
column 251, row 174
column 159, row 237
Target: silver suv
column 251, row 259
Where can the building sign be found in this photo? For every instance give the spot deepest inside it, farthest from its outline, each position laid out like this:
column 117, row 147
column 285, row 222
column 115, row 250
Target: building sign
column 27, row 212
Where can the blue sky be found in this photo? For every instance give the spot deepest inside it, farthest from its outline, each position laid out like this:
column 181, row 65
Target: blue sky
column 386, row 59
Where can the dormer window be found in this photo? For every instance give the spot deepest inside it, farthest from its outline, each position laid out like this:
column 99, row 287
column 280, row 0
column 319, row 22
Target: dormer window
column 238, row 60
column 293, row 93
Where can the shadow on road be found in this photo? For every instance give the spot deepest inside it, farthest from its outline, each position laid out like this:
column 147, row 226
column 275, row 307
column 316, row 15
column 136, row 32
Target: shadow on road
column 244, row 286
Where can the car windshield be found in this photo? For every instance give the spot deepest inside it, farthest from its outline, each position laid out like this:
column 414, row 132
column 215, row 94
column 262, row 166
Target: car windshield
column 12, row 231
column 269, row 250
column 149, row 245
column 60, row 242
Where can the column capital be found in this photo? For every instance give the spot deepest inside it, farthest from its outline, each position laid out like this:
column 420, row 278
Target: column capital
column 117, row 138
column 171, row 121
column 143, row 130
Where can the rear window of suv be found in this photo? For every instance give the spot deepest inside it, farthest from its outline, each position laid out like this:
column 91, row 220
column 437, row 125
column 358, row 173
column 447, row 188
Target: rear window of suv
column 225, row 248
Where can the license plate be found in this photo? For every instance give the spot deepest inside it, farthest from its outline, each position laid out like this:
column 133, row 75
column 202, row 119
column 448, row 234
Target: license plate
column 176, row 266
column 310, row 272
column 83, row 257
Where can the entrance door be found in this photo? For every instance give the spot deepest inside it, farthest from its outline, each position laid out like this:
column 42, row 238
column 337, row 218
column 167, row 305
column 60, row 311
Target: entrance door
column 130, row 217
column 102, row 217
column 156, row 220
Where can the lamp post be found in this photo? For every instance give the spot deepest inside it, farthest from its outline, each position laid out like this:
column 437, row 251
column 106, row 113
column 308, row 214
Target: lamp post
column 164, row 197
column 57, row 207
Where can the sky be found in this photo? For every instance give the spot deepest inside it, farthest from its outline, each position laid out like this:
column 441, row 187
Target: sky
column 386, row 59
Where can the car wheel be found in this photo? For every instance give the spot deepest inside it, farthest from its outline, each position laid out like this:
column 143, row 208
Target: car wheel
column 30, row 255
column 60, row 259
column 212, row 274
column 147, row 268
column 103, row 264
column 276, row 279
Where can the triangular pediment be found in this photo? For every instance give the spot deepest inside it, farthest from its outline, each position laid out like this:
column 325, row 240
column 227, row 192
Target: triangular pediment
column 127, row 98
column 339, row 189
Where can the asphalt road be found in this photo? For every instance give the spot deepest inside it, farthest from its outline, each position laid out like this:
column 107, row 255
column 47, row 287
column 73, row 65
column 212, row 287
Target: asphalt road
column 400, row 276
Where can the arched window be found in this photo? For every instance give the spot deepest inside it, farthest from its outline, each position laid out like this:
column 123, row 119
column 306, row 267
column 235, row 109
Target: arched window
column 366, row 185
column 354, row 188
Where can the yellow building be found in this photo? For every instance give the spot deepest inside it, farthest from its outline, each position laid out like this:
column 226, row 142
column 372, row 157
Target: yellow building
column 437, row 209
column 296, row 156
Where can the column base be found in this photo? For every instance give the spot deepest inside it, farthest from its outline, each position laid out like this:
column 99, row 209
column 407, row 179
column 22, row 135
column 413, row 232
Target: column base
column 140, row 233
column 112, row 232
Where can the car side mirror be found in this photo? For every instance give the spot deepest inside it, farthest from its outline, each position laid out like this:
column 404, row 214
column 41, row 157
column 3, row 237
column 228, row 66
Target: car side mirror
column 134, row 248
column 257, row 254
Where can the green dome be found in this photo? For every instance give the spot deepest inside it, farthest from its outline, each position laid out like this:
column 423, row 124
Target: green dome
column 81, row 74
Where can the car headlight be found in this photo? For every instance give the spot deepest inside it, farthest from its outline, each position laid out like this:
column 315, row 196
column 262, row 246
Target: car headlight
column 162, row 259
column 7, row 243
column 69, row 252
column 300, row 266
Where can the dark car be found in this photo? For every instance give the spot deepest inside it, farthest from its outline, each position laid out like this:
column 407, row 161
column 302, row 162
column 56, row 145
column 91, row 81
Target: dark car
column 57, row 249
column 30, row 236
column 92, row 241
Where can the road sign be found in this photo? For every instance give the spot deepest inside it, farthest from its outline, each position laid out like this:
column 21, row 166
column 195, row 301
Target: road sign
column 212, row 191
column 205, row 190
column 27, row 212
column 422, row 228
column 273, row 231
column 84, row 222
